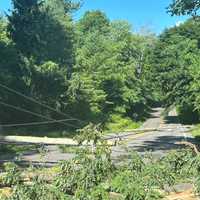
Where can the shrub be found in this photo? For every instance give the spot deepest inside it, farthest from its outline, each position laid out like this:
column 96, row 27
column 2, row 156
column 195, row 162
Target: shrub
column 12, row 175
column 37, row 190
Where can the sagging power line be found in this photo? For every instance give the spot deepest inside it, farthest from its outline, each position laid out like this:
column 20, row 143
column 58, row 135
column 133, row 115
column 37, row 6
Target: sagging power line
column 39, row 103
column 33, row 113
column 34, row 123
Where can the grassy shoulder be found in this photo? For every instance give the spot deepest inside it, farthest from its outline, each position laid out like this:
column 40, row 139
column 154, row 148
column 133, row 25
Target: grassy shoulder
column 196, row 131
column 70, row 149
column 117, row 123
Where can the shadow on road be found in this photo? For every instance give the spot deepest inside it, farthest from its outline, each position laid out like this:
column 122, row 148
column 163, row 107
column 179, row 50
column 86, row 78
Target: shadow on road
column 13, row 152
column 162, row 143
column 172, row 120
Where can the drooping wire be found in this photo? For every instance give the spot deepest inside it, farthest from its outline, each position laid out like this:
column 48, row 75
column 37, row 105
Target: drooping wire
column 33, row 113
column 39, row 103
column 34, row 123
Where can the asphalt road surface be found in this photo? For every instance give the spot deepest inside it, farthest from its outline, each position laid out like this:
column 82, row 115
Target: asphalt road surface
column 169, row 132
column 163, row 139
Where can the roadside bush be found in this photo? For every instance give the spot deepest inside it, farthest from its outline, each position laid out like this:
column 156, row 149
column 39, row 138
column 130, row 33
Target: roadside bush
column 88, row 169
column 118, row 122
column 37, row 190
column 134, row 186
column 97, row 193
column 12, row 175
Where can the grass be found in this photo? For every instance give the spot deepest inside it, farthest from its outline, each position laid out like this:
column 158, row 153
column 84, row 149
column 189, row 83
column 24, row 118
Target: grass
column 116, row 123
column 69, row 149
column 119, row 123
column 196, row 131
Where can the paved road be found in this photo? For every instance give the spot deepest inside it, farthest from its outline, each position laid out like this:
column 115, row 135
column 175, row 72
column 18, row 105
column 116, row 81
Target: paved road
column 167, row 132
column 160, row 141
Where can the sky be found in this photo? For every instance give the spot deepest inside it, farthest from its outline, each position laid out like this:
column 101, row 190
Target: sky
column 139, row 13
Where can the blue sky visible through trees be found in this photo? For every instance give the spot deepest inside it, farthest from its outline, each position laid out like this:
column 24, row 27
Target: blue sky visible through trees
column 144, row 13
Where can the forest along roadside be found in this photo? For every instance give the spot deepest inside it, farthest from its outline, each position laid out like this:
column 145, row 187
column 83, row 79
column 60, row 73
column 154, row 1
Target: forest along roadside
column 159, row 136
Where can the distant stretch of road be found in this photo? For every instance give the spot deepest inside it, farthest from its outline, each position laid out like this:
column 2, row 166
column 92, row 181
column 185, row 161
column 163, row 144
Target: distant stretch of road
column 168, row 132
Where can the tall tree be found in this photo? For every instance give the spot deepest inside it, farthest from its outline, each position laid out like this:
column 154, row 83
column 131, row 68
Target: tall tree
column 175, row 60
column 184, row 7
column 42, row 30
column 12, row 74
column 105, row 77
column 94, row 21
column 41, row 33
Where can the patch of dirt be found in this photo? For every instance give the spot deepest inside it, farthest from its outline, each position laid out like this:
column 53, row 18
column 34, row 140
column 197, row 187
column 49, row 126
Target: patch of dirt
column 5, row 192
column 187, row 195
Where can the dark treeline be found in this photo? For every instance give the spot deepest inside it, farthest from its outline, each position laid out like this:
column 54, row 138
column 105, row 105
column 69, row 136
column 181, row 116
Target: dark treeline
column 93, row 70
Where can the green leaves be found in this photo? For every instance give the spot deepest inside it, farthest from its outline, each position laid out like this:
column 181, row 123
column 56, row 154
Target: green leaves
column 88, row 69
column 184, row 7
column 12, row 175
column 107, row 60
column 175, row 61
column 84, row 175
column 42, row 30
column 94, row 21
column 91, row 175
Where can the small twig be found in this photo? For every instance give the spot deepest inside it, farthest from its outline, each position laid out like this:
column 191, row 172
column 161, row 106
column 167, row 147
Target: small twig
column 189, row 144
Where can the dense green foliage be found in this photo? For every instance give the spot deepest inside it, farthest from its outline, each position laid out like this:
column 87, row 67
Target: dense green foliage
column 176, row 64
column 183, row 7
column 37, row 54
column 100, row 71
column 107, row 68
column 93, row 69
column 175, row 60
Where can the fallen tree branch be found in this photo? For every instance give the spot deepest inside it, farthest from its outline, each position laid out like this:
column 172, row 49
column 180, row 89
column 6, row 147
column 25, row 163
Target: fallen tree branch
column 189, row 144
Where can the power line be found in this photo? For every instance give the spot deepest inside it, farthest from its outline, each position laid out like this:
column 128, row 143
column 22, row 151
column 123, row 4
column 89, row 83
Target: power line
column 32, row 113
column 39, row 103
column 34, row 123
